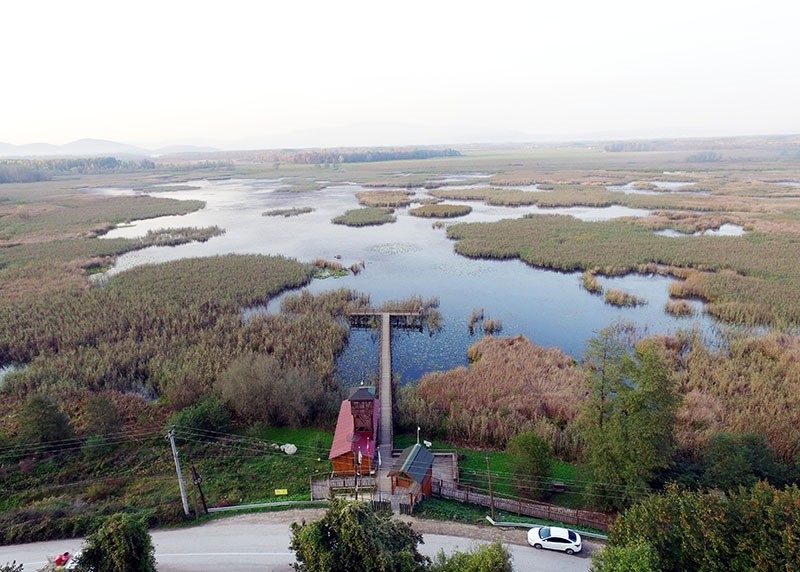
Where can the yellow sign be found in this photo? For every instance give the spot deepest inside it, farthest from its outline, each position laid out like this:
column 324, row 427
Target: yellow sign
column 281, row 492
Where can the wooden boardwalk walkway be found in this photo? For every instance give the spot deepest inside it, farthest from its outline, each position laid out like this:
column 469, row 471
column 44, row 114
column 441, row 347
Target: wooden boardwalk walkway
column 386, row 433
column 388, row 320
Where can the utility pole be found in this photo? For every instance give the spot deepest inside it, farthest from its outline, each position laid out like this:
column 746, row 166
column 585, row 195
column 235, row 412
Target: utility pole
column 171, row 437
column 197, row 480
column 491, row 494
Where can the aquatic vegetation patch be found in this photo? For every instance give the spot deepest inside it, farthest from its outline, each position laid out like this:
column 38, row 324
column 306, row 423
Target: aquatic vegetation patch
column 623, row 299
column 387, row 199
column 293, row 211
column 679, row 308
column 365, row 217
column 441, row 211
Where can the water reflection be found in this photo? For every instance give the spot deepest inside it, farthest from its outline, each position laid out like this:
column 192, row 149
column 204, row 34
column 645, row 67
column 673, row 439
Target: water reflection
column 726, row 229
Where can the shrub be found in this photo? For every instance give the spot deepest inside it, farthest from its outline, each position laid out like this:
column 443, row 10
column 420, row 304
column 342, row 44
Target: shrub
column 259, row 390
column 487, row 558
column 208, row 414
column 121, row 544
column 41, row 421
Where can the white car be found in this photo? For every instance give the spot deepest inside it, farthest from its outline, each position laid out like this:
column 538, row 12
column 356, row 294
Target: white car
column 555, row 538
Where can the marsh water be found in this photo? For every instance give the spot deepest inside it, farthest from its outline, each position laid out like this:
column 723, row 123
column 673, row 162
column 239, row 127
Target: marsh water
column 406, row 258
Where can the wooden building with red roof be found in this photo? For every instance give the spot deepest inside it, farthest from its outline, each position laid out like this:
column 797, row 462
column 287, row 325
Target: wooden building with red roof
column 354, row 442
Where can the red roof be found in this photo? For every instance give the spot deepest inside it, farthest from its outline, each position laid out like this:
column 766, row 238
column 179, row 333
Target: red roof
column 344, row 440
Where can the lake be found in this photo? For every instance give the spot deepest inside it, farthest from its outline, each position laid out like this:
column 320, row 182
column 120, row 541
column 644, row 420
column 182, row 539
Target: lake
column 406, row 258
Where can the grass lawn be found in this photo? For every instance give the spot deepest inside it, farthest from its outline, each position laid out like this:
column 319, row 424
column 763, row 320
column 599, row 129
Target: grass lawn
column 472, row 471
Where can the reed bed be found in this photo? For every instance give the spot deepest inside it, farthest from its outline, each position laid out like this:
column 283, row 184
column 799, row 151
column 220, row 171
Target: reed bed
column 590, row 283
column 329, row 268
column 750, row 386
column 441, row 211
column 623, row 299
column 129, row 335
column 368, row 216
column 749, row 280
column 679, row 308
column 490, row 195
column 386, row 199
column 511, row 386
column 83, row 215
column 288, row 212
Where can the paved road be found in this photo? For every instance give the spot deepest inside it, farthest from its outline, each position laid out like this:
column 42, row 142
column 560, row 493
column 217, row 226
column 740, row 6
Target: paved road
column 251, row 543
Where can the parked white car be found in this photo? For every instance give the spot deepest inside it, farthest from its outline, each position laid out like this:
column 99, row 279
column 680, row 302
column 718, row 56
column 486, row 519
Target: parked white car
column 555, row 538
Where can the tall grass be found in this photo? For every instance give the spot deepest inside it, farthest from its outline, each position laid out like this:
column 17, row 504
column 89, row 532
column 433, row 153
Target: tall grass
column 510, row 386
column 751, row 386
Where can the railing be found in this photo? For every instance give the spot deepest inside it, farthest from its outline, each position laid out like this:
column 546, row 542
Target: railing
column 576, row 517
column 321, row 488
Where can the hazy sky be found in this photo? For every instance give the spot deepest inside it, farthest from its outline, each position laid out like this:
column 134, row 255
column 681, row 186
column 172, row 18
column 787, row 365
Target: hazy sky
column 151, row 72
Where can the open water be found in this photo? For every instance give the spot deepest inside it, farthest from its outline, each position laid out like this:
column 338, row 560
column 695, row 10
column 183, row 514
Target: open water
column 406, row 258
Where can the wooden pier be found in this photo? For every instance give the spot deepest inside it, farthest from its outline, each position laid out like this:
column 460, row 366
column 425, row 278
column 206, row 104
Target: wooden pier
column 386, row 321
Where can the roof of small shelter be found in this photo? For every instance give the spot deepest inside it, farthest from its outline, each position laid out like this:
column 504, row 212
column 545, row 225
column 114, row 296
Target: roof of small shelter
column 362, row 393
column 346, row 440
column 415, row 461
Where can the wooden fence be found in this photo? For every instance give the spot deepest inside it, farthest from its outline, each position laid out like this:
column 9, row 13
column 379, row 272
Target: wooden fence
column 575, row 517
column 321, row 489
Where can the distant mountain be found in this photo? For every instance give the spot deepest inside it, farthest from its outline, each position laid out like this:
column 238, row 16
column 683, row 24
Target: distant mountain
column 94, row 148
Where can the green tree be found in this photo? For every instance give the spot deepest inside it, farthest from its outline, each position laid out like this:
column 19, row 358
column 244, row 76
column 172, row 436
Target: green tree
column 121, row 544
column 42, row 422
column 626, row 424
column 636, row 557
column 486, row 558
column 749, row 529
column 351, row 536
column 532, row 463
column 208, row 414
column 732, row 460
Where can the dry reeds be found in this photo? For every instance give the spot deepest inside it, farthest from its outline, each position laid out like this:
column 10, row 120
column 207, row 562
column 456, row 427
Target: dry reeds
column 623, row 299
column 510, row 385
column 590, row 283
column 679, row 308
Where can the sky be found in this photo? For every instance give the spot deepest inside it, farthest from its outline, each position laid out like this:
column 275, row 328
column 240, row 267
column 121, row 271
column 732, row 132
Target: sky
column 232, row 72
